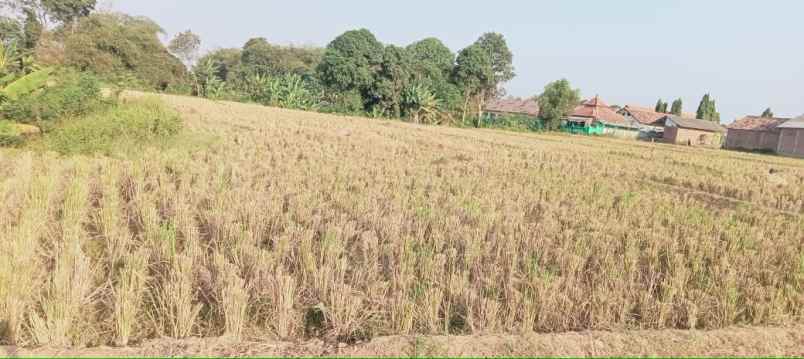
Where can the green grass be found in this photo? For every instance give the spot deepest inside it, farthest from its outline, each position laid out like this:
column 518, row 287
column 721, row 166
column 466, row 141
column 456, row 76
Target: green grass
column 123, row 127
column 9, row 135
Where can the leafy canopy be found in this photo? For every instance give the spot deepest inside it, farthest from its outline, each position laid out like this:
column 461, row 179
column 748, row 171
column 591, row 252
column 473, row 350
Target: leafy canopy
column 557, row 101
column 707, row 110
column 115, row 45
column 351, row 61
column 677, row 108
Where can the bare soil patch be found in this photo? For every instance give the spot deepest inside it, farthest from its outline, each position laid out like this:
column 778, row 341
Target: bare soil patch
column 746, row 341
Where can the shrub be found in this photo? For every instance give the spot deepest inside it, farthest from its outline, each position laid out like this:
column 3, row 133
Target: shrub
column 9, row 135
column 514, row 122
column 119, row 128
column 73, row 94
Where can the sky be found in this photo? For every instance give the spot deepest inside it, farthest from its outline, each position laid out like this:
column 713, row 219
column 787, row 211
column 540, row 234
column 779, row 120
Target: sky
column 748, row 54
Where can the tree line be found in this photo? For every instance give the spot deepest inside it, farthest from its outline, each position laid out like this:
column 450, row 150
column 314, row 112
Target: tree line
column 355, row 73
column 423, row 82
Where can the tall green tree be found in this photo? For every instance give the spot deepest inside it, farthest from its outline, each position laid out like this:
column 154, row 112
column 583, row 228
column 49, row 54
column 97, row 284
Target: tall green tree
column 351, row 61
column 661, row 106
column 474, row 75
column 68, row 11
column 117, row 45
column 481, row 69
column 677, row 108
column 10, row 30
column 225, row 62
column 707, row 109
column 394, row 76
column 263, row 58
column 32, row 30
column 502, row 59
column 556, row 102
column 768, row 113
column 433, row 63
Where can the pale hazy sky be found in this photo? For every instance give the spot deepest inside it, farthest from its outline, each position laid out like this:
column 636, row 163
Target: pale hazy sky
column 748, row 54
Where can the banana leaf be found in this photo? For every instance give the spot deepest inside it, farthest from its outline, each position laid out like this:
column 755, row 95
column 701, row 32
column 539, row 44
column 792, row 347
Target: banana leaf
column 27, row 84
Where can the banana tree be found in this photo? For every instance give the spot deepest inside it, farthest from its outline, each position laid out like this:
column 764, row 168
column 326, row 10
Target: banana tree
column 421, row 105
column 11, row 87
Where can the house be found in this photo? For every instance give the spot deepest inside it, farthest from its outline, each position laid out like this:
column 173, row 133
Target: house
column 596, row 117
column 692, row 132
column 791, row 138
column 512, row 106
column 648, row 120
column 645, row 117
column 754, row 133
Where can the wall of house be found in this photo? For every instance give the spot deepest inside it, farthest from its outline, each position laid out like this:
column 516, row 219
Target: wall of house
column 686, row 136
column 752, row 140
column 791, row 142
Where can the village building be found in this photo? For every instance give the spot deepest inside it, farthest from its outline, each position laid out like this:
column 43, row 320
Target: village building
column 754, row 133
column 692, row 132
column 512, row 106
column 596, row 117
column 648, row 120
column 791, row 138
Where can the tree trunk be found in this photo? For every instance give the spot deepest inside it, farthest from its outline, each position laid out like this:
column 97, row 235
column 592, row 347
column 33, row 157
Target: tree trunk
column 465, row 108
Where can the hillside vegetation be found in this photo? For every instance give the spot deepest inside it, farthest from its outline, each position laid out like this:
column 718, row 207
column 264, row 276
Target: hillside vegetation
column 295, row 225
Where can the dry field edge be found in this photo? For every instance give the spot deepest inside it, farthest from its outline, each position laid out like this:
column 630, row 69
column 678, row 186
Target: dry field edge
column 730, row 342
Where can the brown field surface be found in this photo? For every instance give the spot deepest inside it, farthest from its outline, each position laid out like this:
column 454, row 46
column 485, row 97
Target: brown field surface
column 263, row 225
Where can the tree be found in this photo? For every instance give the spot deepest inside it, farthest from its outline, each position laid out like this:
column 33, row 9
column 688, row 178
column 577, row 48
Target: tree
column 661, row 106
column 557, row 101
column 677, row 108
column 225, row 62
column 32, row 30
column 185, row 46
column 433, row 61
column 474, row 75
column 768, row 113
column 10, row 30
column 394, row 76
column 502, row 59
column 68, row 11
column 351, row 61
column 707, row 109
column 117, row 46
column 480, row 70
column 261, row 57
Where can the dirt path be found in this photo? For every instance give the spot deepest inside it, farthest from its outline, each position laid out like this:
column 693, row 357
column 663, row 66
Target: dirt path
column 726, row 342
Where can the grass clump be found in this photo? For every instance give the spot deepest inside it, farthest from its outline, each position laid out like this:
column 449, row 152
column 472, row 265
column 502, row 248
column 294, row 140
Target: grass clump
column 10, row 136
column 69, row 95
column 125, row 126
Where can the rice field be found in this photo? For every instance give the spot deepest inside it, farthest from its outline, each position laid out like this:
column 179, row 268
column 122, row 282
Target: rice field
column 294, row 225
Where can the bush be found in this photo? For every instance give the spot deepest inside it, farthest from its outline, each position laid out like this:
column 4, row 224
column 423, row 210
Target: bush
column 73, row 94
column 514, row 122
column 119, row 128
column 9, row 135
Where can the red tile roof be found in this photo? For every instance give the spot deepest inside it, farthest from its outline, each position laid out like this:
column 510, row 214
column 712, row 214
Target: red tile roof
column 648, row 116
column 644, row 115
column 514, row 105
column 597, row 110
column 756, row 123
